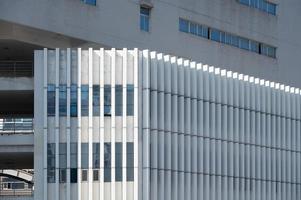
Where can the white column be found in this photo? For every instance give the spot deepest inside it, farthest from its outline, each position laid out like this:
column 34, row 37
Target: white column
column 113, row 63
column 45, row 66
column 79, row 83
column 68, row 121
column 57, row 129
column 90, row 165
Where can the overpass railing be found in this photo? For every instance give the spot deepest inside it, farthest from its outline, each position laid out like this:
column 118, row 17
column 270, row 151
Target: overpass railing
column 16, row 69
column 16, row 125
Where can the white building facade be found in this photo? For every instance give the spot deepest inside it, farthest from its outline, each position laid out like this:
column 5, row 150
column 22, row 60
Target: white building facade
column 130, row 124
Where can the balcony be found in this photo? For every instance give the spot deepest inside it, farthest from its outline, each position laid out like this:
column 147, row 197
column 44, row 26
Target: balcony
column 16, row 69
column 16, row 126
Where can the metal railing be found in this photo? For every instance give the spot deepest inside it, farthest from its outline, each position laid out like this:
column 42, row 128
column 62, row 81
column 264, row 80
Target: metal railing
column 13, row 189
column 16, row 125
column 16, row 69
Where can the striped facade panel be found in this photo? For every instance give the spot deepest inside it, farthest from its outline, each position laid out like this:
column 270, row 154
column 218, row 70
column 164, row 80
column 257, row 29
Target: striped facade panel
column 89, row 144
column 213, row 134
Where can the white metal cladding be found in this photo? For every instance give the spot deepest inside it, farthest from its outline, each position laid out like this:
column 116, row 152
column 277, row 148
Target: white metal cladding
column 198, row 132
column 80, row 67
column 214, row 134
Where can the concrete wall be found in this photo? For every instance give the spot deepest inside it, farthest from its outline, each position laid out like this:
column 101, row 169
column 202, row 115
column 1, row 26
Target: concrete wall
column 109, row 25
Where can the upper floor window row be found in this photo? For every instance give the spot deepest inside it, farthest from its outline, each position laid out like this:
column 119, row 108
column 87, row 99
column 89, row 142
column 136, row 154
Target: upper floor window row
column 262, row 5
column 84, row 92
column 90, row 2
column 226, row 38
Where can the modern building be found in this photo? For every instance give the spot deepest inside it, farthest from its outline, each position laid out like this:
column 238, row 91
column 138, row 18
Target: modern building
column 255, row 37
column 131, row 124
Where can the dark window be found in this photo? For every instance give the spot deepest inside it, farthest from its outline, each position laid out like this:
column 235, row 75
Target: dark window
column 118, row 100
column 63, row 100
column 85, row 100
column 96, row 100
column 223, row 37
column 51, row 100
column 271, row 52
column 215, row 35
column 90, row 2
column 73, row 101
column 107, row 100
column 183, row 25
column 84, row 175
column 234, row 41
column 118, row 161
column 107, row 162
column 130, row 161
column 144, row 19
column 51, row 162
column 130, row 100
column 96, row 155
column 62, row 161
column 228, row 39
column 272, row 8
column 85, row 155
column 73, row 175
column 95, row 175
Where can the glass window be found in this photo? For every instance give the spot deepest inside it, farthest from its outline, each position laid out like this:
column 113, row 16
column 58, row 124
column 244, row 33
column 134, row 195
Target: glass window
column 118, row 100
column 246, row 2
column 107, row 162
column 96, row 100
column 200, row 30
column 254, row 46
column 234, row 41
column 73, row 175
column 272, row 52
column 215, row 35
column 130, row 100
column 118, row 161
column 85, row 100
column 107, row 100
column 63, row 100
column 85, row 155
column 63, row 155
column 263, row 49
column 130, row 161
column 51, row 100
column 205, row 32
column 183, row 25
column 254, row 3
column 73, row 155
column 144, row 19
column 228, row 39
column 90, row 2
column 263, row 5
column 244, row 43
column 96, row 155
column 84, row 175
column 193, row 28
column 223, row 37
column 73, row 101
column 51, row 162
column 272, row 8
column 63, row 175
column 95, row 175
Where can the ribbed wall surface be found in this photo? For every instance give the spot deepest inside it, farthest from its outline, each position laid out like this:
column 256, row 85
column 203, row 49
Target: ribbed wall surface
column 216, row 135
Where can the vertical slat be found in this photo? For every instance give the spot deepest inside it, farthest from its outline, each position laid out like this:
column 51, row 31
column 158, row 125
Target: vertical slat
column 57, row 137
column 113, row 85
column 45, row 76
column 68, row 121
column 101, row 124
column 79, row 83
column 90, row 78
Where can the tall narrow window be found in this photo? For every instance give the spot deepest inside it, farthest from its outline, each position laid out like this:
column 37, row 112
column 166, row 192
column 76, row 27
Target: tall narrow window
column 73, row 162
column 118, row 100
column 85, row 155
column 107, row 100
column 85, row 100
column 107, row 162
column 51, row 100
column 144, row 18
column 51, row 162
column 73, row 101
column 63, row 162
column 96, row 100
column 96, row 156
column 63, row 100
column 130, row 161
column 215, row 35
column 183, row 25
column 130, row 100
column 118, row 161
